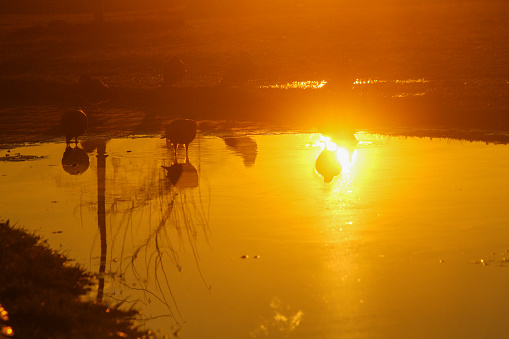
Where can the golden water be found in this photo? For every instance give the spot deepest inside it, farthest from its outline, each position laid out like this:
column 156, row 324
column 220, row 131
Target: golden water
column 409, row 241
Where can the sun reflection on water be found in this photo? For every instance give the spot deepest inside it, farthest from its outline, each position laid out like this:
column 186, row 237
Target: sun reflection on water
column 378, row 81
column 403, row 88
column 299, row 85
column 280, row 320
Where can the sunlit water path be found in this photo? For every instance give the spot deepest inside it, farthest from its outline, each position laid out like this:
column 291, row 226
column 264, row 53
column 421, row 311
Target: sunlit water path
column 409, row 241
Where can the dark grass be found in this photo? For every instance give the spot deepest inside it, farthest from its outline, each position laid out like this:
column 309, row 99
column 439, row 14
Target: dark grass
column 40, row 289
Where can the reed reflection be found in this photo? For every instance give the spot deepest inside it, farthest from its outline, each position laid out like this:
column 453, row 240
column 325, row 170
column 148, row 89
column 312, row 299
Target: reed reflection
column 243, row 146
column 152, row 217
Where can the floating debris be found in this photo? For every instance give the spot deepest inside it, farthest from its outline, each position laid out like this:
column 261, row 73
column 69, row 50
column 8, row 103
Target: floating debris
column 247, row 256
column 21, row 157
column 494, row 260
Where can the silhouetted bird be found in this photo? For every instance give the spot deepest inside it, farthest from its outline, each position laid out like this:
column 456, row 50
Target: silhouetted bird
column 93, row 90
column 327, row 165
column 240, row 70
column 74, row 123
column 174, row 71
column 181, row 132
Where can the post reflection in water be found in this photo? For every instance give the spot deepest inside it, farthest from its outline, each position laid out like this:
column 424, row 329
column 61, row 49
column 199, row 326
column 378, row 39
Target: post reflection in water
column 101, row 212
column 76, row 161
column 100, row 147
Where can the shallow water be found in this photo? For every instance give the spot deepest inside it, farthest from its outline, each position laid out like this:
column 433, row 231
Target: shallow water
column 409, row 241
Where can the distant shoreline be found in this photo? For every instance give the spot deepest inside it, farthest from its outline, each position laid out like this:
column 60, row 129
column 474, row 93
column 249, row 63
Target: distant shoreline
column 30, row 112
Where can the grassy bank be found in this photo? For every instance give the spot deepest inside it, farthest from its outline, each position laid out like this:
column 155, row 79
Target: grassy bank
column 40, row 289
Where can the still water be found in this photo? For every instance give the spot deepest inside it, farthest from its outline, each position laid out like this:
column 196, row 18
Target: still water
column 410, row 240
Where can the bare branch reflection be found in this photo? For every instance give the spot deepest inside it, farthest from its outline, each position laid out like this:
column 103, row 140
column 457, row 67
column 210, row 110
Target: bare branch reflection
column 152, row 218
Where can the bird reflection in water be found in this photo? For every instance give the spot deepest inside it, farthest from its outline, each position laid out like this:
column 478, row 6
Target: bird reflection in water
column 244, row 146
column 75, row 160
column 182, row 175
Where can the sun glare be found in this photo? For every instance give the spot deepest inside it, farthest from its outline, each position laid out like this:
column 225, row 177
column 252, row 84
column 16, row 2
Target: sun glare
column 331, row 156
column 343, row 156
column 327, row 144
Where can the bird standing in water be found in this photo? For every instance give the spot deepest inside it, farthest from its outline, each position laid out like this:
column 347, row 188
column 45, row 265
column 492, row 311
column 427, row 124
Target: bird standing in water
column 181, row 132
column 74, row 123
column 327, row 165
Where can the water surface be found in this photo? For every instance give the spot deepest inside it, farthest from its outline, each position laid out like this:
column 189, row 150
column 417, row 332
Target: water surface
column 409, row 241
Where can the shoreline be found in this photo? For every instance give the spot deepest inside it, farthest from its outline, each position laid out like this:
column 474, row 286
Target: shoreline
column 30, row 112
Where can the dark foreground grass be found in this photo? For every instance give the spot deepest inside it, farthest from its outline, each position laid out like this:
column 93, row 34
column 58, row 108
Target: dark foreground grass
column 41, row 292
